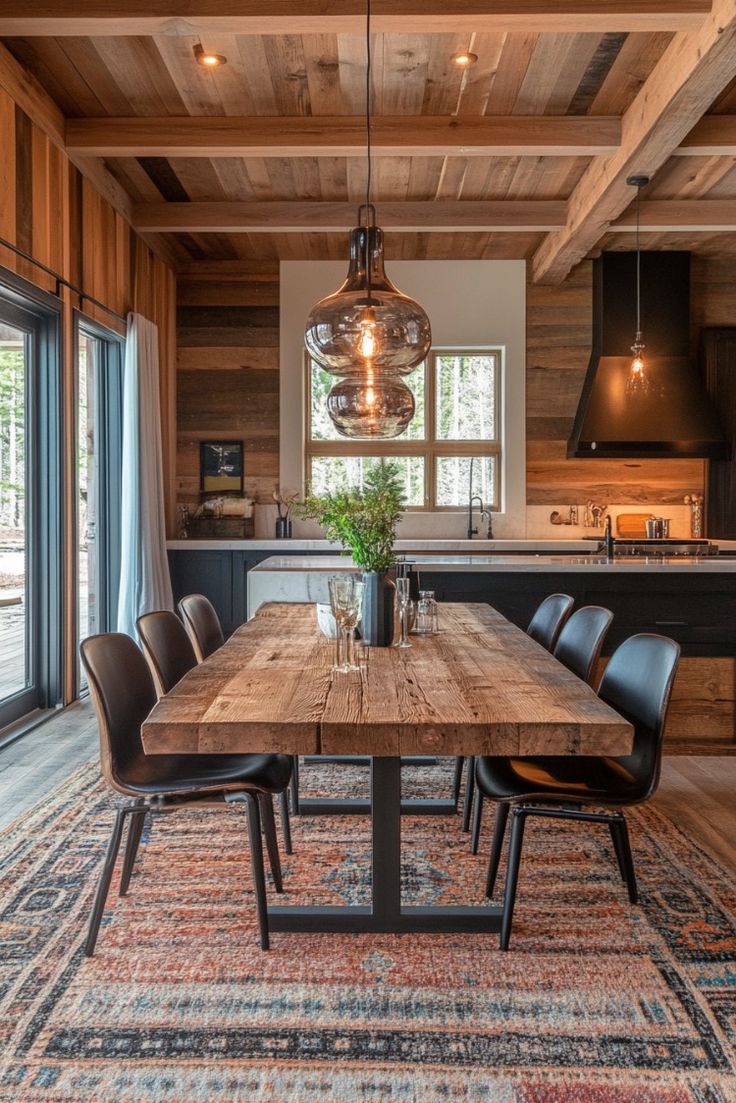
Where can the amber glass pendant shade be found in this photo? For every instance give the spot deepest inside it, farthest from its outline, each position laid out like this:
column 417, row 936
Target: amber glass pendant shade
column 379, row 406
column 367, row 320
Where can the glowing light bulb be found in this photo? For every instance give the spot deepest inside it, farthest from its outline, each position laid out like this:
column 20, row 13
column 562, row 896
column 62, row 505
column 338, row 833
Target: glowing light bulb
column 368, row 339
column 464, row 59
column 207, row 59
column 637, row 382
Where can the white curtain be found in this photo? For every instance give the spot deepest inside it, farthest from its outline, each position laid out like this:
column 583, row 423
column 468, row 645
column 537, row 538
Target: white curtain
column 144, row 571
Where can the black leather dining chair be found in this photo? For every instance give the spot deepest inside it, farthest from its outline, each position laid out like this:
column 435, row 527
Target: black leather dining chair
column 544, row 627
column 167, row 648
column 123, row 694
column 202, row 624
column 170, row 655
column 580, row 642
column 637, row 683
column 578, row 647
column 549, row 617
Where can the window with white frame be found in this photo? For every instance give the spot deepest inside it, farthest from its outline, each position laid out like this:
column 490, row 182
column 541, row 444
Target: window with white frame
column 457, row 418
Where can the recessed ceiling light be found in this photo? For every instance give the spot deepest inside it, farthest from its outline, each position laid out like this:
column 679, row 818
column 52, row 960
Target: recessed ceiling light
column 464, row 59
column 207, row 59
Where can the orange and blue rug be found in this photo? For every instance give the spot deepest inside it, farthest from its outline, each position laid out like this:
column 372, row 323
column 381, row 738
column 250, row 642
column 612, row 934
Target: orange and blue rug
column 596, row 1002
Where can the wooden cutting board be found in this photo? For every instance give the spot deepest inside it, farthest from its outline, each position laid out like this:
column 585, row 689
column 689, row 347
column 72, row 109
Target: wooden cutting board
column 632, row 526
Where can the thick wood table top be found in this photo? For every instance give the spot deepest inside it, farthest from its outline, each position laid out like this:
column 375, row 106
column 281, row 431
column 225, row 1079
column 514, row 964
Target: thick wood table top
column 481, row 686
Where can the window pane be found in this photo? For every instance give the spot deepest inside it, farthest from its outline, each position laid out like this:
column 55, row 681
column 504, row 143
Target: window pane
column 15, row 641
column 466, row 396
column 453, row 480
column 329, row 472
column 322, row 427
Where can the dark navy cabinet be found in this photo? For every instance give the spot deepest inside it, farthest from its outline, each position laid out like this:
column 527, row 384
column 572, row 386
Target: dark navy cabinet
column 696, row 609
column 221, row 575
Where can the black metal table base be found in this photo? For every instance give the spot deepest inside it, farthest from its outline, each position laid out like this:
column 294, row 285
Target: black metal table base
column 385, row 913
column 354, row 806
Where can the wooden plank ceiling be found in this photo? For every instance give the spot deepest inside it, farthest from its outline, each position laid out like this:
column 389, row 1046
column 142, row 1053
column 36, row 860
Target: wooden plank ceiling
column 527, row 73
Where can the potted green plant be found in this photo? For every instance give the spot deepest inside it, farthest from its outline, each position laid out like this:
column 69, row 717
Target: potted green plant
column 363, row 520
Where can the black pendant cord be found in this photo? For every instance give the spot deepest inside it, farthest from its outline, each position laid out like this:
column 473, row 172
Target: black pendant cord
column 638, row 261
column 638, row 182
column 370, row 214
column 368, row 105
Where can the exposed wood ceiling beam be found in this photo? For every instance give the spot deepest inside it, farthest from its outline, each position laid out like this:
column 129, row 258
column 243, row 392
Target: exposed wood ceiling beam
column 392, row 136
column 713, row 136
column 706, row 216
column 693, row 70
column 321, row 217
column 157, row 17
column 344, row 136
column 509, row 216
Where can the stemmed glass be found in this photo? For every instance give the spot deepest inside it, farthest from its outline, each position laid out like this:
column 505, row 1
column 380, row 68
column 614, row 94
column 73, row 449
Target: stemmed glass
column 404, row 596
column 346, row 598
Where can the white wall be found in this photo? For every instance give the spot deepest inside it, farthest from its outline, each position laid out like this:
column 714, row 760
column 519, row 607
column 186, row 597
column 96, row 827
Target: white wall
column 479, row 303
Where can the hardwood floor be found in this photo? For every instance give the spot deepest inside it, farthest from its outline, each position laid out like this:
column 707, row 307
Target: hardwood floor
column 697, row 792
column 37, row 763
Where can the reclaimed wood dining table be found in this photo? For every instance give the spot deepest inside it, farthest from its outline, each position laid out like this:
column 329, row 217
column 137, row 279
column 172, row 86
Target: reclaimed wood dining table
column 481, row 686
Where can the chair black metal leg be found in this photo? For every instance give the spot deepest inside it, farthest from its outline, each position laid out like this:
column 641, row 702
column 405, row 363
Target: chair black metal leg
column 628, row 860
column 499, row 830
column 616, row 840
column 105, row 877
column 518, row 821
column 469, row 790
column 285, row 821
column 135, row 830
column 272, row 846
column 256, row 860
column 294, row 787
column 477, row 821
column 457, row 777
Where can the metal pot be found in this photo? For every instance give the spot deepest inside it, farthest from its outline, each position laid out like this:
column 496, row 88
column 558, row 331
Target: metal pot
column 658, row 528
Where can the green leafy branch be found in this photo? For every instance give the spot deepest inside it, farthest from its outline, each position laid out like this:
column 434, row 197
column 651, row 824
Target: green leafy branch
column 362, row 519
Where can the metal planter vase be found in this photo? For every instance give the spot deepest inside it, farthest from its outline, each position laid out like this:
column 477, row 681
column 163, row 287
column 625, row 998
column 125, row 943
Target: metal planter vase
column 377, row 624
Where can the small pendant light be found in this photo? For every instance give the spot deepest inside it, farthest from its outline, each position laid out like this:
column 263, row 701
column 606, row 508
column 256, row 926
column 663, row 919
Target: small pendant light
column 368, row 333
column 637, row 382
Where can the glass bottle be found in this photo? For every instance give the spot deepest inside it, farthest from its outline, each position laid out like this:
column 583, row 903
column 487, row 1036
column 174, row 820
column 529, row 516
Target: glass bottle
column 427, row 620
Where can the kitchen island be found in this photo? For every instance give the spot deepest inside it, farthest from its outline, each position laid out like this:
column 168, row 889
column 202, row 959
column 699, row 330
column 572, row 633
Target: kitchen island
column 692, row 600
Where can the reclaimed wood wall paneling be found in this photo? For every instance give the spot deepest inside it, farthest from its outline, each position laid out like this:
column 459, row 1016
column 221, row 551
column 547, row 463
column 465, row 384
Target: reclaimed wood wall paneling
column 227, row 372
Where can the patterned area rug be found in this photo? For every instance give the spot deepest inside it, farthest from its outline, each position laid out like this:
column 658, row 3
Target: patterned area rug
column 596, row 1002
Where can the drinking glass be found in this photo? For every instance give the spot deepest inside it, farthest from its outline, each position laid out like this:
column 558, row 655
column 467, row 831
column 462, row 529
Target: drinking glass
column 404, row 595
column 346, row 598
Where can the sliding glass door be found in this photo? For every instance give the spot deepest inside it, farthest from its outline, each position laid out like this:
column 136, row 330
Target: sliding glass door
column 99, row 436
column 29, row 503
column 17, row 673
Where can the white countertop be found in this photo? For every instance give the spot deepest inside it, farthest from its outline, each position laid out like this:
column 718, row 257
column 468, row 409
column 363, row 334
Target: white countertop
column 401, row 546
column 508, row 563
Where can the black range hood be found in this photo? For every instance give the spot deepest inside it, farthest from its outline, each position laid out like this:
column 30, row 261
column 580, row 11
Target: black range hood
column 676, row 418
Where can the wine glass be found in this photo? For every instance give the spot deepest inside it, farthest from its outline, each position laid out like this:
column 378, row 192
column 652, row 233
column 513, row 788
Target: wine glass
column 346, row 598
column 404, row 596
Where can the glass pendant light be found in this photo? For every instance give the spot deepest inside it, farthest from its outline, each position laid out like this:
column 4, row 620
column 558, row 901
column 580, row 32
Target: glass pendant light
column 368, row 320
column 637, row 382
column 370, row 407
column 368, row 332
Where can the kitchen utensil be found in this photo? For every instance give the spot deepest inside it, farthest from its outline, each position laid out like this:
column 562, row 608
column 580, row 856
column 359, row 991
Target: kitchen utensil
column 658, row 528
column 632, row 526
